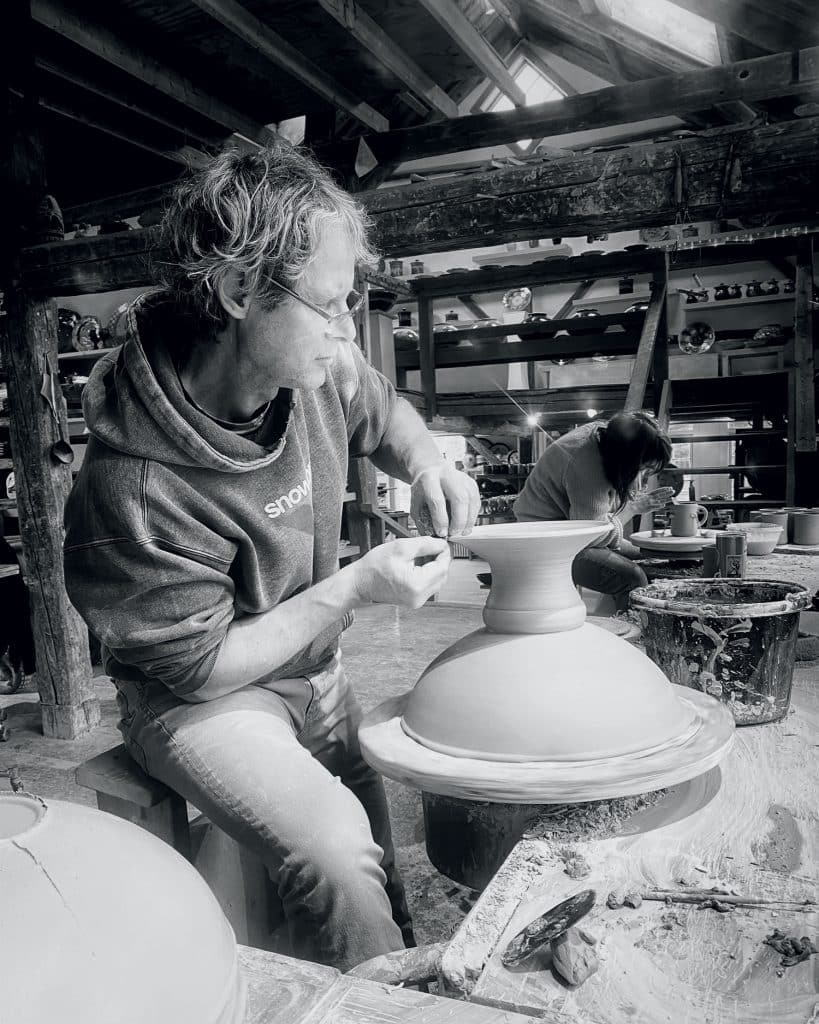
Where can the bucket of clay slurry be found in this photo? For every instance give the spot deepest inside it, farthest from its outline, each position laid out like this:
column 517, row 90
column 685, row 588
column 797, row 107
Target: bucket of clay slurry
column 733, row 639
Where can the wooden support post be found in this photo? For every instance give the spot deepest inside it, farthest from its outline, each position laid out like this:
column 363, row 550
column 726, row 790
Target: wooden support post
column 635, row 397
column 426, row 350
column 28, row 337
column 69, row 707
column 363, row 530
column 659, row 371
column 803, row 357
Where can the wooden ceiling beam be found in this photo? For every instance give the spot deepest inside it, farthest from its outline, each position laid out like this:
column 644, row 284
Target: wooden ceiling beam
column 607, row 191
column 82, row 81
column 592, row 7
column 651, row 49
column 187, row 156
column 461, row 30
column 260, row 37
column 372, row 37
column 666, row 96
column 121, row 52
column 758, row 26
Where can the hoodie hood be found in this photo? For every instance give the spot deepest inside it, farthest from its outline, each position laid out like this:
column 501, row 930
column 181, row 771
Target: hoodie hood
column 134, row 402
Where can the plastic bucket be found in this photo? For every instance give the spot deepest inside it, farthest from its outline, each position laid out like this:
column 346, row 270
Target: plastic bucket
column 733, row 639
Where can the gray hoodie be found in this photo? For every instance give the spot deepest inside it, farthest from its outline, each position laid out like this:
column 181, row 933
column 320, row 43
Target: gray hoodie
column 176, row 526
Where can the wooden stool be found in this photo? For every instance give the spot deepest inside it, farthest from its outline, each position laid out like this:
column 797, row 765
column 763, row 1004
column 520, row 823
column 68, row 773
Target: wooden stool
column 237, row 878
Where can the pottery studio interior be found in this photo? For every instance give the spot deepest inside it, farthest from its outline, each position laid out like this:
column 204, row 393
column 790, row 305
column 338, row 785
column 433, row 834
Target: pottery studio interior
column 462, row 665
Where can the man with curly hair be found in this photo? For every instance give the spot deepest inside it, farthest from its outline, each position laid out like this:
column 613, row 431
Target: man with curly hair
column 202, row 535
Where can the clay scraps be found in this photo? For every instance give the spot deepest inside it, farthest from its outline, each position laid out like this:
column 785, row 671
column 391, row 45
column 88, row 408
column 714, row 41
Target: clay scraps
column 793, row 950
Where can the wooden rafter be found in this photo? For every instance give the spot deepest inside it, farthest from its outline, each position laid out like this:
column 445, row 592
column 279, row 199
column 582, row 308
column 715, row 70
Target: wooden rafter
column 122, row 53
column 753, row 22
column 187, row 156
column 670, row 95
column 176, row 124
column 609, row 47
column 371, row 36
column 613, row 35
column 450, row 17
column 271, row 45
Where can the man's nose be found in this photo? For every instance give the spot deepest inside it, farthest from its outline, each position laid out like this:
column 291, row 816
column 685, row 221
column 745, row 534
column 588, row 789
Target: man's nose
column 343, row 330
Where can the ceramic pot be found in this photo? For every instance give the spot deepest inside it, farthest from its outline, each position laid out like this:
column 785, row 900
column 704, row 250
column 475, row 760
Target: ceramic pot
column 721, row 292
column 540, row 683
column 806, row 526
column 104, row 922
column 584, row 314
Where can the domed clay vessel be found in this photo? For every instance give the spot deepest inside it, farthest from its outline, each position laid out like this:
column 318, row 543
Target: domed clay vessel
column 540, row 705
column 103, row 922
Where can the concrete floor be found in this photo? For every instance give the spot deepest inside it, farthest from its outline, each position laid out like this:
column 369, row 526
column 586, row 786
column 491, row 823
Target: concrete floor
column 385, row 651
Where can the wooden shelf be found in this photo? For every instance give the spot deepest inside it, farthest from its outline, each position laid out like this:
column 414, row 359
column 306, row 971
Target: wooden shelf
column 350, row 496
column 736, row 303
column 4, row 421
column 741, row 502
column 6, row 464
column 348, row 550
column 93, row 353
column 735, row 470
column 544, row 271
column 738, row 436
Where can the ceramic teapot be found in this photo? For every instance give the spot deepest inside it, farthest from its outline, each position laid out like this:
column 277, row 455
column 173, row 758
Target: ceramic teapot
column 721, row 293
column 735, row 291
column 753, row 289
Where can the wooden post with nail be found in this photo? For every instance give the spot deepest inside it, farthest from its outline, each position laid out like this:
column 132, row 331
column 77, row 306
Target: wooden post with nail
column 28, row 339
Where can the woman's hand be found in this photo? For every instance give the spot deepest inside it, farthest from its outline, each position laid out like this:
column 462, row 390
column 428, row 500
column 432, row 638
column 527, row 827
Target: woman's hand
column 650, row 501
column 403, row 572
column 445, row 501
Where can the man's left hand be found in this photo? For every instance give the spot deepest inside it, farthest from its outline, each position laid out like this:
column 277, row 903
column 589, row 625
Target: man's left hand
column 445, row 501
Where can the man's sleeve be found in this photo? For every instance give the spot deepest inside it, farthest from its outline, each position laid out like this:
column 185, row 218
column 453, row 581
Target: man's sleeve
column 368, row 399
column 158, row 608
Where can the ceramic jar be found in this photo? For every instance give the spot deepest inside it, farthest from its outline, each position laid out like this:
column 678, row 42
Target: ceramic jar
column 806, row 526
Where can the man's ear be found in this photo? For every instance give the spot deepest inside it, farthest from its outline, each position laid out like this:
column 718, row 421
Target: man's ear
column 234, row 299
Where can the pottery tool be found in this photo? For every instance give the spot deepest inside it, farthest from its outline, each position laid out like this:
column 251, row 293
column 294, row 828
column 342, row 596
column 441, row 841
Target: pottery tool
column 547, row 927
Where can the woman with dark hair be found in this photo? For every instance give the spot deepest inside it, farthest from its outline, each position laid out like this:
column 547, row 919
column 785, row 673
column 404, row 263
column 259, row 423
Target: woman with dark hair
column 595, row 472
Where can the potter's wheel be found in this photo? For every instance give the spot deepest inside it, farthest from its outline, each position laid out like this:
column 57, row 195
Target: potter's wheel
column 392, row 752
column 543, row 707
column 666, row 543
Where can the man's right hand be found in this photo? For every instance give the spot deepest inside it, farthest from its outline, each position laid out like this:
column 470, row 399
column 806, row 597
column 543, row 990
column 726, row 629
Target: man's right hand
column 404, row 572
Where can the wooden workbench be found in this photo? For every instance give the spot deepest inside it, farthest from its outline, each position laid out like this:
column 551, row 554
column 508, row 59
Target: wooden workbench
column 750, row 827
column 282, row 990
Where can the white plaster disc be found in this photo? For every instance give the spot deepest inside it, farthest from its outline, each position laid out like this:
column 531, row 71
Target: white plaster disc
column 388, row 749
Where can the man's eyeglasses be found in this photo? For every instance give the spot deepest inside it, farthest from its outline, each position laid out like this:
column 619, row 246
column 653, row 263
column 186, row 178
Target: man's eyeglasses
column 354, row 300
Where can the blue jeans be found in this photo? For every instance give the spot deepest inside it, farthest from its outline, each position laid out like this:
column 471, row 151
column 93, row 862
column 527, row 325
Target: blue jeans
column 278, row 767
column 608, row 572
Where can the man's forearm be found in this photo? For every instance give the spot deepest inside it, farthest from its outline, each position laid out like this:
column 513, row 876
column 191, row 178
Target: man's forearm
column 407, row 446
column 258, row 644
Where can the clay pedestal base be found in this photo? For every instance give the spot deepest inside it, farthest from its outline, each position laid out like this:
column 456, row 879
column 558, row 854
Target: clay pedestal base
column 468, row 841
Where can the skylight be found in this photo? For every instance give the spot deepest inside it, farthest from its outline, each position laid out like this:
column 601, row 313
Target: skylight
column 536, row 88
column 667, row 23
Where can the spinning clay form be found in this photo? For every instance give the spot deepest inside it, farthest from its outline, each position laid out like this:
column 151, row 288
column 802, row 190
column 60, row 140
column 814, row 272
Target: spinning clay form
column 541, row 706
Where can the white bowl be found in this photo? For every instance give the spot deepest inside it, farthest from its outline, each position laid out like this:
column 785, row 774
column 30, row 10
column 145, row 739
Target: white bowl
column 762, row 538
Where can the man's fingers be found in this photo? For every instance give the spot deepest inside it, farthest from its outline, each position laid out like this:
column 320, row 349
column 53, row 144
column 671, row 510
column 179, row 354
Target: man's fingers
column 421, row 547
